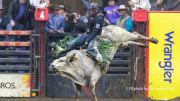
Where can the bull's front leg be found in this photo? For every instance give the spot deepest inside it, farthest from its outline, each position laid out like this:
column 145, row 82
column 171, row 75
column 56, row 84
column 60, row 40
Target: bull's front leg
column 78, row 92
column 139, row 36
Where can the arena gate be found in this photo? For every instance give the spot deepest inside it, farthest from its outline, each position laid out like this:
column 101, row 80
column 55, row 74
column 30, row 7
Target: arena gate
column 15, row 63
column 20, row 70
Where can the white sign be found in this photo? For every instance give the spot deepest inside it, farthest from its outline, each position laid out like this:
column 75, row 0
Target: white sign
column 15, row 85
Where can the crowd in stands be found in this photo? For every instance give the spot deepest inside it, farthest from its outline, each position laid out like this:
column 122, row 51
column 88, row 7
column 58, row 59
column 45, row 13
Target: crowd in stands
column 117, row 12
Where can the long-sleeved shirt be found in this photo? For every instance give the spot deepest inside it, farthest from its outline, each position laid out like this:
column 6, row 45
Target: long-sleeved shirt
column 21, row 12
column 95, row 28
column 125, row 22
column 56, row 22
column 17, row 12
column 111, row 14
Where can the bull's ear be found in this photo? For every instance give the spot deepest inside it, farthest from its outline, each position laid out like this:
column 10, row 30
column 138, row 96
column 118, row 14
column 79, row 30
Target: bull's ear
column 72, row 58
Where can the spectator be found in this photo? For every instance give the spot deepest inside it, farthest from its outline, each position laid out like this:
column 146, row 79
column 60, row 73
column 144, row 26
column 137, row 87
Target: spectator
column 125, row 2
column 125, row 20
column 17, row 14
column 165, row 5
column 173, row 5
column 56, row 21
column 2, row 24
column 3, row 20
column 111, row 12
column 75, row 23
column 158, row 5
column 30, row 17
column 140, row 4
column 62, row 10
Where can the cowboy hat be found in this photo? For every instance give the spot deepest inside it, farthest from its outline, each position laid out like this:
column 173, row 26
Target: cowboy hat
column 62, row 7
column 122, row 7
column 56, row 7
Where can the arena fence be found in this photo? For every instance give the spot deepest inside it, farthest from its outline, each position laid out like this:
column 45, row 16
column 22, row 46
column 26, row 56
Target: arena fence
column 15, row 63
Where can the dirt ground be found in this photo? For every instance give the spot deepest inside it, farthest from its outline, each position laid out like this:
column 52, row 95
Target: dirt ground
column 82, row 99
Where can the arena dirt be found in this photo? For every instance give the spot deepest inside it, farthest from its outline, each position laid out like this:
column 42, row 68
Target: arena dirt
column 82, row 99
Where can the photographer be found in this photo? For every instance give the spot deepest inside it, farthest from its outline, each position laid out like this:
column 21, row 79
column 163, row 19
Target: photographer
column 75, row 23
column 3, row 20
column 56, row 21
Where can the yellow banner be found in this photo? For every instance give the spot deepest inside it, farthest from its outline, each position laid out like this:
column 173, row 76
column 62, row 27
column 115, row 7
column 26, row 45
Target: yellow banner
column 164, row 58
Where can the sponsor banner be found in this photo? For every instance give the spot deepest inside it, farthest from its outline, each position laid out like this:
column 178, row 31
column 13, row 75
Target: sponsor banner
column 164, row 58
column 14, row 85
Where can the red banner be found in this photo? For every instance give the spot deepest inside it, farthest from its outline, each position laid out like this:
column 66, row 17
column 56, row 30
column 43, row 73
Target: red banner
column 18, row 32
column 15, row 43
column 140, row 15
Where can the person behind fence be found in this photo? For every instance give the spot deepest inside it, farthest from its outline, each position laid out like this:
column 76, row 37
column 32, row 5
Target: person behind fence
column 74, row 23
column 111, row 11
column 158, row 5
column 56, row 21
column 3, row 23
column 168, row 5
column 172, row 5
column 139, row 4
column 95, row 24
column 62, row 10
column 17, row 14
column 124, row 20
column 3, row 20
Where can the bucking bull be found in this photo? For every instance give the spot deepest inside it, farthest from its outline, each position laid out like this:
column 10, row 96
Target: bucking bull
column 83, row 70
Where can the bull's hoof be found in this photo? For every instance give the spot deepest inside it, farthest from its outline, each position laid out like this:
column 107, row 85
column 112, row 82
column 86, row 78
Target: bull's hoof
column 153, row 40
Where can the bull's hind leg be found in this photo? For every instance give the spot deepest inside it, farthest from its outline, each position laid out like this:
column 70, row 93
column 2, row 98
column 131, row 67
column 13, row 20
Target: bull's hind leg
column 132, row 43
column 96, row 74
column 78, row 92
column 139, row 36
column 92, row 87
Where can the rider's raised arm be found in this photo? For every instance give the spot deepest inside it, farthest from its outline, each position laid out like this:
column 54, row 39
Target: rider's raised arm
column 86, row 4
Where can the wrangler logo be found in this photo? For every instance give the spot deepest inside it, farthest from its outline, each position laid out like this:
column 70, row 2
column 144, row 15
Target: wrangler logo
column 167, row 64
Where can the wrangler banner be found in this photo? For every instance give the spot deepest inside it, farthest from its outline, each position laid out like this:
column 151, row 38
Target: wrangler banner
column 163, row 59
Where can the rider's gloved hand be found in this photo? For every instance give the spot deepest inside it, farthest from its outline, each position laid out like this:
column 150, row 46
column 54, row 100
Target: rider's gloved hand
column 84, row 46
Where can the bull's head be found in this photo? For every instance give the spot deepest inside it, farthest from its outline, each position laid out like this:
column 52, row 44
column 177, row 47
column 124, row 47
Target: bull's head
column 63, row 62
